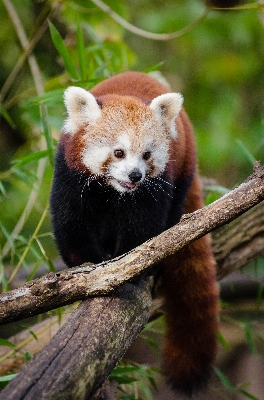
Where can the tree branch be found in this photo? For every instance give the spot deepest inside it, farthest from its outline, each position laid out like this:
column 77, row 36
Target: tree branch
column 55, row 290
column 240, row 242
column 81, row 355
column 149, row 35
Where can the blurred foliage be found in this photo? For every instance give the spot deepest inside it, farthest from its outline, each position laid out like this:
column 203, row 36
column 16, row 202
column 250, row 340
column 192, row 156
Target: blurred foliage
column 46, row 46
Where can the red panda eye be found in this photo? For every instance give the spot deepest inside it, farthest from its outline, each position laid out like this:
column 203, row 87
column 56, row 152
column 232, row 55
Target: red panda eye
column 146, row 155
column 119, row 153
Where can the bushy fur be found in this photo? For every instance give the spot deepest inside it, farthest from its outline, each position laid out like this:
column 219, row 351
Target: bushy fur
column 125, row 172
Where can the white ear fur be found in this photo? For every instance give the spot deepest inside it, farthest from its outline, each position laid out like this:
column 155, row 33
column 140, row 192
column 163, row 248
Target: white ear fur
column 166, row 107
column 82, row 107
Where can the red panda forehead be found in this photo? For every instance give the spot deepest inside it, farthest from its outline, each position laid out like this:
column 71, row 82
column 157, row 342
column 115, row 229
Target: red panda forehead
column 126, row 115
column 129, row 108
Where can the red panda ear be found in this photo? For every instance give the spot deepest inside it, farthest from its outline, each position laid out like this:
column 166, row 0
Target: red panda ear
column 82, row 107
column 166, row 108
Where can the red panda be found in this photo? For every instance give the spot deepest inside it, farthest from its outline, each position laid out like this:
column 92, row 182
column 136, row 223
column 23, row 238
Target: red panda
column 126, row 171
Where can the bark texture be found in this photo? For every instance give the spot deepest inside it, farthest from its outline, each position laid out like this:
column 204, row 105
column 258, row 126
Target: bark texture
column 86, row 349
column 239, row 242
column 78, row 359
column 57, row 289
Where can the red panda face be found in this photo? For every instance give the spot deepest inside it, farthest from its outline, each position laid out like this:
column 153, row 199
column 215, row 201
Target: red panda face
column 125, row 141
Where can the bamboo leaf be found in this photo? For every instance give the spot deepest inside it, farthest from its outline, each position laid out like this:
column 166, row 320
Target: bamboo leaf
column 81, row 53
column 30, row 158
column 4, row 342
column 245, row 150
column 7, row 378
column 34, row 335
column 63, row 51
column 249, row 338
column 7, row 117
column 225, row 381
column 248, row 395
column 222, row 341
column 46, row 130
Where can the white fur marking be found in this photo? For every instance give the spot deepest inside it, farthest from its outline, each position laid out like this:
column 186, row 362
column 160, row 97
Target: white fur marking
column 82, row 108
column 166, row 108
column 94, row 157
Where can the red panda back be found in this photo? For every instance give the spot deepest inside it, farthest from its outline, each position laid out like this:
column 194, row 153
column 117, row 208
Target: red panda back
column 131, row 84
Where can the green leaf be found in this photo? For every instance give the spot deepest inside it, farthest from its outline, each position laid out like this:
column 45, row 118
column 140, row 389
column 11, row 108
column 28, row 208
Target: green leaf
column 93, row 35
column 7, row 378
column 2, row 189
column 4, row 342
column 222, row 341
column 155, row 67
column 153, row 382
column 30, row 158
column 34, row 335
column 81, row 53
column 28, row 357
column 249, row 338
column 260, row 296
column 248, row 395
column 63, row 51
column 7, row 117
column 51, row 266
column 246, row 152
column 124, row 379
column 34, row 270
column 27, row 178
column 46, row 130
column 7, row 236
column 145, row 389
column 52, row 97
column 225, row 381
column 124, row 370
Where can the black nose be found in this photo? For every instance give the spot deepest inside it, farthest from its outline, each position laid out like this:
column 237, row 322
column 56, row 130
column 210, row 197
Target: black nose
column 135, row 175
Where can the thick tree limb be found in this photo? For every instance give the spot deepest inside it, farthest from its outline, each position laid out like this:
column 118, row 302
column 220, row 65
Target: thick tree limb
column 86, row 349
column 78, row 359
column 54, row 290
column 239, row 242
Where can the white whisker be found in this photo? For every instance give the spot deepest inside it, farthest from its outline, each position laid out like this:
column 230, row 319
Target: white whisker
column 163, row 180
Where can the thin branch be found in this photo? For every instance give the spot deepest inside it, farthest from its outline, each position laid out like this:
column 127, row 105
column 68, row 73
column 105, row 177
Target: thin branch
column 33, row 237
column 238, row 8
column 23, row 58
column 57, row 289
column 29, row 206
column 149, row 35
column 36, row 75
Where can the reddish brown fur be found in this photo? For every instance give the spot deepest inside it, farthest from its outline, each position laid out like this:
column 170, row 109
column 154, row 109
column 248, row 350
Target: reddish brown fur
column 189, row 288
column 191, row 306
column 73, row 146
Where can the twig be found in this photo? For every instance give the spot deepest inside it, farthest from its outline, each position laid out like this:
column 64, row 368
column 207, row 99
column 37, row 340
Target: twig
column 146, row 34
column 36, row 75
